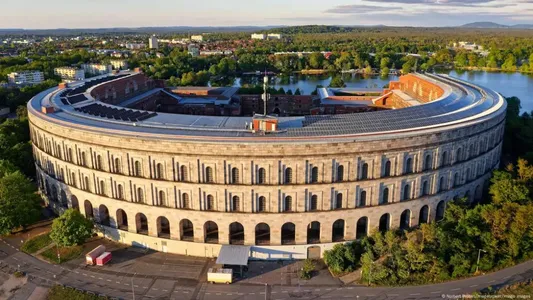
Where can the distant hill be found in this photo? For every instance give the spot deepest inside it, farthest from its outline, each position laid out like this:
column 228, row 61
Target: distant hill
column 149, row 30
column 492, row 25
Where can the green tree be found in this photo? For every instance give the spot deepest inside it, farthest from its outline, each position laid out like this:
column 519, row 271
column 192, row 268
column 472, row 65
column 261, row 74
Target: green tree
column 316, row 60
column 19, row 203
column 71, row 229
column 337, row 82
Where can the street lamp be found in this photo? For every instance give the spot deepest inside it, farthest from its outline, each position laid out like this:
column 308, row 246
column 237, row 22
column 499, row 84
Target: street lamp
column 478, row 257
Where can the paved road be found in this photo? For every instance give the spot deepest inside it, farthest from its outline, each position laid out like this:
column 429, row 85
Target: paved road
column 123, row 285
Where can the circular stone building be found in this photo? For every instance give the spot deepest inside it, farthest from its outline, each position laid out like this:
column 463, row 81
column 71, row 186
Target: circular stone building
column 288, row 187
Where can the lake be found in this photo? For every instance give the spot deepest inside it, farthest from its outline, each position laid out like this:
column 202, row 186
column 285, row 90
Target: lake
column 508, row 84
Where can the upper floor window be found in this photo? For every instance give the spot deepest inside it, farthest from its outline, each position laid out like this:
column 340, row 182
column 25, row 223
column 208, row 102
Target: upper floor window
column 338, row 201
column 407, row 192
column 425, row 188
column 235, row 204
column 261, row 205
column 140, row 195
column 288, row 204
column 364, row 171
column 160, row 171
column 102, row 188
column 340, row 173
column 387, row 171
column 445, row 159
column 362, row 199
column 427, row 163
column 210, row 202
column 235, row 178
column 120, row 192
column 138, row 169
column 261, row 176
column 409, row 166
column 314, row 175
column 459, row 155
column 99, row 163
column 288, row 176
column 314, row 203
column 186, row 203
column 385, row 196
column 117, row 166
column 83, row 159
column 209, row 177
column 162, row 199
column 184, row 175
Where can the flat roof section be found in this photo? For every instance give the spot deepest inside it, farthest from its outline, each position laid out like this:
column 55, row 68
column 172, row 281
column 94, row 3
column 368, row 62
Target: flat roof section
column 234, row 255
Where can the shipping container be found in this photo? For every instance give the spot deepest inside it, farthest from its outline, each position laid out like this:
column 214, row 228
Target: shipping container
column 103, row 259
column 90, row 258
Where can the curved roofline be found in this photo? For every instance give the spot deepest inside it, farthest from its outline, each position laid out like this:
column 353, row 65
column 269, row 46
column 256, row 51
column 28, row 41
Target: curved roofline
column 462, row 104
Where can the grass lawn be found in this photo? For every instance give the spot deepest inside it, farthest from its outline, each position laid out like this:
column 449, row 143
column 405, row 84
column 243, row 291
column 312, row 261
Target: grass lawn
column 67, row 253
column 523, row 288
column 61, row 293
column 35, row 244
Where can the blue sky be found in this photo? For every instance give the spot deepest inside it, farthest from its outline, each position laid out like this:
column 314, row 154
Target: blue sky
column 135, row 13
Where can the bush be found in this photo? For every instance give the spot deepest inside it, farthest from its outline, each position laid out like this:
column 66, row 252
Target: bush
column 61, row 293
column 307, row 269
column 66, row 254
column 36, row 243
column 18, row 274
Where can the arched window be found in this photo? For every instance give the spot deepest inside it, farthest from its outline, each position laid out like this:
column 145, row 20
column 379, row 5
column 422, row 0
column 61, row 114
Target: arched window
column 338, row 201
column 210, row 205
column 73, row 180
column 87, row 184
column 288, row 176
column 364, row 171
column 444, row 161
column 138, row 169
column 99, row 164
column 385, row 196
column 140, row 195
column 459, row 155
column 362, row 199
column 184, row 175
column 407, row 192
column 70, row 156
column 442, row 184
column 118, row 167
column 186, row 203
column 83, row 158
column 261, row 205
column 456, row 180
column 120, row 192
column 425, row 188
column 261, row 176
column 314, row 203
column 340, row 173
column 288, row 204
column 235, row 204
column 162, row 199
column 102, row 188
column 160, row 172
column 471, row 151
column 235, row 176
column 387, row 171
column 314, row 175
column 59, row 154
column 427, row 163
column 209, row 178
column 409, row 166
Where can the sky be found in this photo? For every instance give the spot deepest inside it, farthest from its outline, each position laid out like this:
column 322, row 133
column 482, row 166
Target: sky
column 44, row 14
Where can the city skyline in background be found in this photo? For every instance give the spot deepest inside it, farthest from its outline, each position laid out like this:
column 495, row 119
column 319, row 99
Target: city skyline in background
column 51, row 14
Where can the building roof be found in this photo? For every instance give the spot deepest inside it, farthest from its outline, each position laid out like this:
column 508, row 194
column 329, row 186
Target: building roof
column 461, row 103
column 234, row 255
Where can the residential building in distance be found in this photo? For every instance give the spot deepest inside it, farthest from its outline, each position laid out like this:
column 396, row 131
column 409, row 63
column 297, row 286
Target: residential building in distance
column 25, row 77
column 197, row 38
column 134, row 46
column 97, row 69
column 258, row 36
column 119, row 64
column 274, row 36
column 70, row 73
column 193, row 50
column 152, row 42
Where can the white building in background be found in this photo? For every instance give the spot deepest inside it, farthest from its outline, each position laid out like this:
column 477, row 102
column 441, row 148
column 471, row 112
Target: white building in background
column 153, row 43
column 97, row 69
column 197, row 38
column 119, row 64
column 25, row 77
column 258, row 36
column 134, row 46
column 70, row 73
column 274, row 36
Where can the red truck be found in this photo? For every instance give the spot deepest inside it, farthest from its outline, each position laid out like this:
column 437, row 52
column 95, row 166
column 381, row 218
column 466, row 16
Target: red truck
column 90, row 258
column 103, row 259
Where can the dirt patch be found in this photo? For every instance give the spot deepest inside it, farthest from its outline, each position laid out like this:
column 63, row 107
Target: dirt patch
column 10, row 284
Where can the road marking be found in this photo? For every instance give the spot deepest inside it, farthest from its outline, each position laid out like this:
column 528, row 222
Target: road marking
column 84, row 274
column 491, row 281
column 251, row 293
column 393, row 295
column 136, row 286
column 165, row 290
column 317, row 290
column 100, row 278
column 506, row 277
column 109, row 280
column 328, row 289
column 473, row 285
column 76, row 272
column 455, row 289
column 284, row 291
column 92, row 276
column 372, row 295
column 349, row 288
column 126, row 284
column 274, row 292
column 415, row 294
